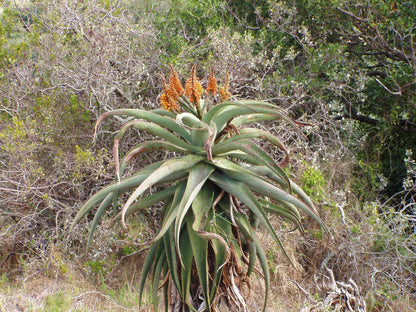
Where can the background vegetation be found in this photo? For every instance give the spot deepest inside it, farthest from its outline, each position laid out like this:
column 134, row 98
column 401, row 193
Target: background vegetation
column 346, row 68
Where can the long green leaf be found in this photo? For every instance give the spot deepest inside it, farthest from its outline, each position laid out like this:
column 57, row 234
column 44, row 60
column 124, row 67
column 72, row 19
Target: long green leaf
column 265, row 267
column 161, row 118
column 171, row 211
column 252, row 118
column 264, row 171
column 159, row 131
column 152, row 257
column 187, row 257
column 200, row 250
column 165, row 170
column 198, row 175
column 264, row 188
column 246, row 228
column 158, row 266
column 172, row 259
column 291, row 213
column 244, row 194
column 99, row 213
column 221, row 226
column 152, row 199
column 149, row 146
column 123, row 185
column 226, row 105
column 253, row 155
column 223, row 114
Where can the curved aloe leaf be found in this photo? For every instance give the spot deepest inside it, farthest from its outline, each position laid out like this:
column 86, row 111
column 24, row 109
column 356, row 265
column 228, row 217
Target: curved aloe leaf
column 266, row 189
column 200, row 250
column 265, row 171
column 158, row 131
column 199, row 130
column 152, row 199
column 244, row 194
column 222, row 114
column 123, row 185
column 171, row 210
column 259, row 156
column 168, row 168
column 291, row 213
column 187, row 257
column 246, row 228
column 198, row 175
column 150, row 146
column 99, row 213
column 265, row 267
column 251, row 118
column 161, row 118
column 169, row 243
column 152, row 256
column 158, row 266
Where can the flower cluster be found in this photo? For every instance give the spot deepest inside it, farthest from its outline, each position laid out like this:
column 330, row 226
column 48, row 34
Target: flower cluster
column 193, row 91
column 193, row 88
column 223, row 92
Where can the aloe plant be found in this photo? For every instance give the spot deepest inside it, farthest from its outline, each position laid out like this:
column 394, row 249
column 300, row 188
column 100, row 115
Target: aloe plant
column 217, row 190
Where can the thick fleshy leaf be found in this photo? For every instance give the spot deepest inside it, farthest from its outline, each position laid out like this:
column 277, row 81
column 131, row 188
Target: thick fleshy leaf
column 227, row 105
column 171, row 211
column 187, row 257
column 122, row 186
column 265, row 267
column 201, row 206
column 244, row 194
column 252, row 256
column 152, row 256
column 222, row 226
column 161, row 118
column 152, row 199
column 198, row 175
column 264, row 171
column 222, row 113
column 98, row 214
column 172, row 259
column 149, row 146
column 264, row 135
column 246, row 228
column 264, row 188
column 168, row 168
column 292, row 214
column 158, row 131
column 200, row 250
column 158, row 266
column 201, row 133
column 255, row 156
column 251, row 118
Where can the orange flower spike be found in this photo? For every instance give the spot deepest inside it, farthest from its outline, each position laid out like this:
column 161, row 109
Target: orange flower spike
column 169, row 98
column 223, row 92
column 174, row 81
column 212, row 83
column 193, row 88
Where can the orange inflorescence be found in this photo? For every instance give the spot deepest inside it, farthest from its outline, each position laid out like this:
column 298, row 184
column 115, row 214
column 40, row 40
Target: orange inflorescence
column 174, row 81
column 212, row 83
column 169, row 98
column 193, row 88
column 223, row 92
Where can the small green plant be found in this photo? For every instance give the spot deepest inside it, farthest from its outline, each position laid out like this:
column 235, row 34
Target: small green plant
column 56, row 303
column 218, row 187
column 313, row 182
